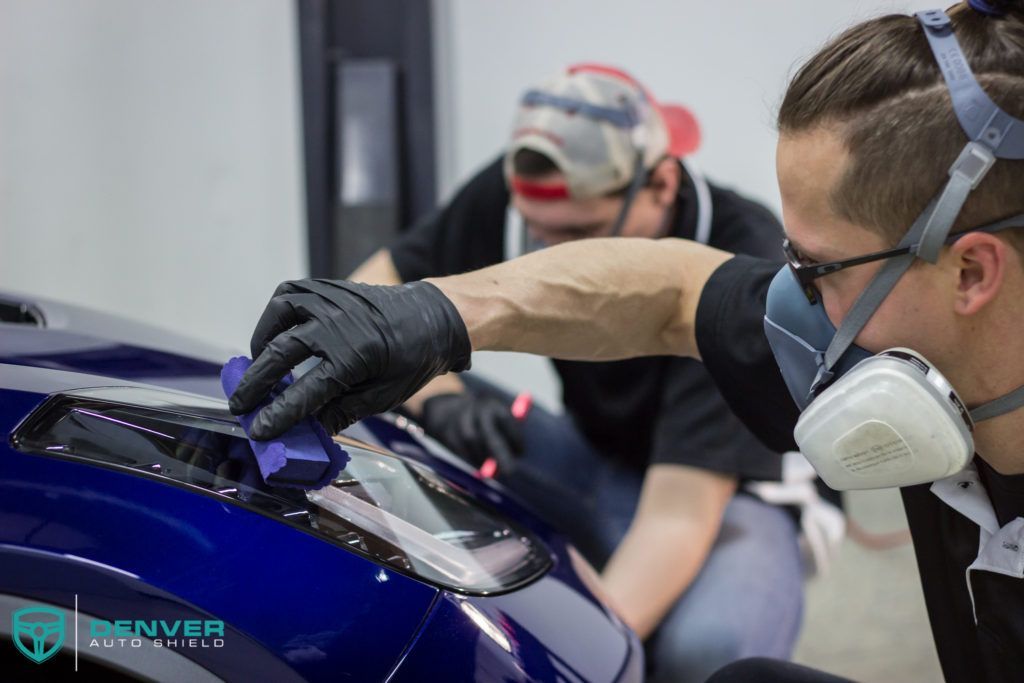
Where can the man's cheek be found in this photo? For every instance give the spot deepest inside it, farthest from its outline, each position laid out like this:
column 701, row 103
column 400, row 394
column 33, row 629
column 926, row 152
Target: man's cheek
column 837, row 306
column 839, row 291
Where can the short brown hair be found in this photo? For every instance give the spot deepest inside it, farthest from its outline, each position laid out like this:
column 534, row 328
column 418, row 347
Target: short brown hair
column 878, row 85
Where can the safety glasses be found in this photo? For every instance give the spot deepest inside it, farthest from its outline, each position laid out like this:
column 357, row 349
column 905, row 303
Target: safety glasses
column 807, row 273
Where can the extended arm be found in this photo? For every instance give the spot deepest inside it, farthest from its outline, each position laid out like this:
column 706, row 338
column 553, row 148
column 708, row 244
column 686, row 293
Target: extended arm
column 596, row 299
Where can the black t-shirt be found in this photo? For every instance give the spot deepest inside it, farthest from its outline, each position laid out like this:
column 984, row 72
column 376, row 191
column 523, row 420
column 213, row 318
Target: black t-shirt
column 1006, row 491
column 735, row 351
column 658, row 409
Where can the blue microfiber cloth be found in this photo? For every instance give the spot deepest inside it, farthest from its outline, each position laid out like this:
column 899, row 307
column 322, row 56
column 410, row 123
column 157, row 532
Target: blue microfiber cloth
column 304, row 457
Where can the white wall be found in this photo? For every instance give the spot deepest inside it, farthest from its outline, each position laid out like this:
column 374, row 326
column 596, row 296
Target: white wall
column 728, row 61
column 150, row 157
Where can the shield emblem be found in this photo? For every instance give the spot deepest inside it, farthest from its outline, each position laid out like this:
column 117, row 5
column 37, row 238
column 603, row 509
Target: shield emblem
column 38, row 632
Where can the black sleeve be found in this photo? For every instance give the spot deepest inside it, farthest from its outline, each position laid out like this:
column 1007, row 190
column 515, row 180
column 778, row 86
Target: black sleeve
column 695, row 427
column 731, row 341
column 743, row 226
column 465, row 234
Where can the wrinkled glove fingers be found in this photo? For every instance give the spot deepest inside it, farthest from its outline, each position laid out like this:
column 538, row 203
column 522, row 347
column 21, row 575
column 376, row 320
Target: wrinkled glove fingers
column 281, row 313
column 472, row 426
column 497, row 445
column 305, row 396
column 282, row 354
column 512, row 430
column 339, row 413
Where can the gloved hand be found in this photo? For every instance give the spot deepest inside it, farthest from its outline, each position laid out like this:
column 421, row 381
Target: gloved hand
column 377, row 344
column 475, row 427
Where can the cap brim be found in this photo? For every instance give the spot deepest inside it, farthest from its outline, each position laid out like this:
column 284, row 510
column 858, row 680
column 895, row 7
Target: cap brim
column 683, row 129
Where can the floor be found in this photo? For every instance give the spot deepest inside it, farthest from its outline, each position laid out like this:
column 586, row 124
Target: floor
column 866, row 618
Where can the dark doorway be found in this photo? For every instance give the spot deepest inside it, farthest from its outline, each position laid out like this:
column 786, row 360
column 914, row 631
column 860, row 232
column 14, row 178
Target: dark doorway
column 368, row 125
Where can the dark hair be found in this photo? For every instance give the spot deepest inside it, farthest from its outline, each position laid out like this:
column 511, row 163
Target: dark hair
column 530, row 164
column 879, row 87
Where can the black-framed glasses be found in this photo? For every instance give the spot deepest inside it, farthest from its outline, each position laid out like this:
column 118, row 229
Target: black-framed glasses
column 807, row 273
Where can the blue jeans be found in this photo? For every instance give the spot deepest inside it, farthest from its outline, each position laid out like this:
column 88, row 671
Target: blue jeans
column 747, row 599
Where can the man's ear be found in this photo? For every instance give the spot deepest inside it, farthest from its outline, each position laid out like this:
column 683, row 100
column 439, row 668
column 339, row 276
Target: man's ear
column 981, row 260
column 664, row 181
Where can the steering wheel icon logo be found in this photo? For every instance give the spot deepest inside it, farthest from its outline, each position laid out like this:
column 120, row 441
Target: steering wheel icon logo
column 38, row 632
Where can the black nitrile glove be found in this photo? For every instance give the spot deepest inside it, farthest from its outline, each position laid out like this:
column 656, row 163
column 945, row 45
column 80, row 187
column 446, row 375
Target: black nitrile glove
column 474, row 427
column 377, row 344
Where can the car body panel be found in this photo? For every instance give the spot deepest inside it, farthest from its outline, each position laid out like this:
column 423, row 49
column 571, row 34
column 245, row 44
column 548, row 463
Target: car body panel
column 500, row 638
column 292, row 599
column 222, row 557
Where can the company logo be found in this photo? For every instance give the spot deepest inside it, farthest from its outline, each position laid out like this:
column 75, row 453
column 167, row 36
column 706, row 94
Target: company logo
column 188, row 633
column 38, row 632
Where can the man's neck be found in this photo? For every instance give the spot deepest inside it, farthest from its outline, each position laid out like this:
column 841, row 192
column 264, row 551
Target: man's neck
column 669, row 219
column 1000, row 442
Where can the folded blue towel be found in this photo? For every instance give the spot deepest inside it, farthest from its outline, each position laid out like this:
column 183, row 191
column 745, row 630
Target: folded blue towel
column 303, row 457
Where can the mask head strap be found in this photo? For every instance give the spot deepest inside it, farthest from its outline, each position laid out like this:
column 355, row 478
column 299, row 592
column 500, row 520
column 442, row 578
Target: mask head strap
column 992, row 134
column 980, row 117
column 639, row 178
column 999, row 406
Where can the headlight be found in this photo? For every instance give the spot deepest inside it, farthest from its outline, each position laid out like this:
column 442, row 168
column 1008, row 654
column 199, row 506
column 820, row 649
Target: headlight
column 394, row 511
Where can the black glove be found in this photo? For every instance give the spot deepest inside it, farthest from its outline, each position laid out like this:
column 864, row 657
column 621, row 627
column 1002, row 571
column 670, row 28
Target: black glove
column 377, row 344
column 474, row 427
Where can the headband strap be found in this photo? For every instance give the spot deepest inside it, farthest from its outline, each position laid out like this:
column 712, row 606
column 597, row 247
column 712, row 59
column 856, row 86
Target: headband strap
column 981, row 118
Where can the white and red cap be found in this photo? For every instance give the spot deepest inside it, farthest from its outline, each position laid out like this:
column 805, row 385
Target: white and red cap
column 593, row 121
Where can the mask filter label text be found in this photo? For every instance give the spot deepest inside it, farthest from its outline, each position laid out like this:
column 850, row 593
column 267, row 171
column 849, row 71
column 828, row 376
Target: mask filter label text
column 873, row 447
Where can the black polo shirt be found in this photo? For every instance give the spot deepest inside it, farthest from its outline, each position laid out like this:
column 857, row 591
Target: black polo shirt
column 645, row 410
column 968, row 529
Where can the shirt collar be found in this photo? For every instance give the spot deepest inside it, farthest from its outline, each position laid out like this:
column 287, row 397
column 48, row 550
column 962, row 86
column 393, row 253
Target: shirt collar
column 964, row 493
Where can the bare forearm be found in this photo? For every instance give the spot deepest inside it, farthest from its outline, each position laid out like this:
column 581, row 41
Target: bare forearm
column 597, row 299
column 651, row 568
column 676, row 522
column 379, row 269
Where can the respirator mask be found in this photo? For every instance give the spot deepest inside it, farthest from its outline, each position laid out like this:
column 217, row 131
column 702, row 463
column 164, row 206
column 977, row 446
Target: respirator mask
column 890, row 419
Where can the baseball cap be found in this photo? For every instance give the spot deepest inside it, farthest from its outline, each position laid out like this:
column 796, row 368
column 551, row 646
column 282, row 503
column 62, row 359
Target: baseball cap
column 593, row 121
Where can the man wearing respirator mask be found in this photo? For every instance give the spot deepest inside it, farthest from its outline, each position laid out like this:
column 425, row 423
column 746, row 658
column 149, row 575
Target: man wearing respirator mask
column 896, row 326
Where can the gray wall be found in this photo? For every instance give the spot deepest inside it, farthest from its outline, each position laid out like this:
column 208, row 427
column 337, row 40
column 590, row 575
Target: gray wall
column 149, row 157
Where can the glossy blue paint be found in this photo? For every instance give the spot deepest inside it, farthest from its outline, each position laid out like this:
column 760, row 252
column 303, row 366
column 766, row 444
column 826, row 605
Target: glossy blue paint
column 82, row 353
column 74, row 352
column 293, row 603
column 315, row 606
column 547, row 631
column 37, row 576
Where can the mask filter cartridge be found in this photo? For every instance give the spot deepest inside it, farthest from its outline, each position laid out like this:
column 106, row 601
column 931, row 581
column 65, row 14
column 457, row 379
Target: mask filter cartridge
column 892, row 420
